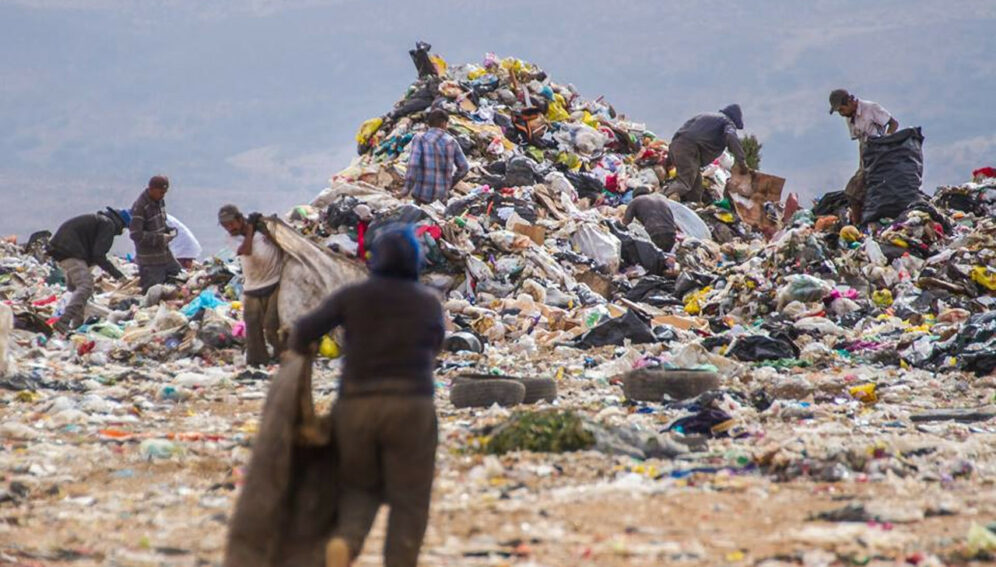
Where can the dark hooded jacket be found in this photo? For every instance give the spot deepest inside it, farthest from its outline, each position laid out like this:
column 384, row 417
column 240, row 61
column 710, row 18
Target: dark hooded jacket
column 713, row 132
column 393, row 324
column 88, row 238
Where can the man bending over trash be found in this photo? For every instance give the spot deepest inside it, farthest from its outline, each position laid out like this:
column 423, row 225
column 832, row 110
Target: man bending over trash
column 262, row 262
column 865, row 120
column 80, row 243
column 653, row 212
column 700, row 141
column 384, row 419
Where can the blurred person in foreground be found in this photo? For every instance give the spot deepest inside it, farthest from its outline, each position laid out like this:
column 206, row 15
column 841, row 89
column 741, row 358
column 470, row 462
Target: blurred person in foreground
column 384, row 419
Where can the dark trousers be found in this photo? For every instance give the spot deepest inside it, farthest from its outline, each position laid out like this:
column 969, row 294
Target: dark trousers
column 687, row 160
column 663, row 240
column 150, row 275
column 262, row 327
column 387, row 454
column 855, row 190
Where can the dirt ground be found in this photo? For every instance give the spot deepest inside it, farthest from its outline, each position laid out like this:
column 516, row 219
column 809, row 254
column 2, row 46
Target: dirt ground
column 88, row 493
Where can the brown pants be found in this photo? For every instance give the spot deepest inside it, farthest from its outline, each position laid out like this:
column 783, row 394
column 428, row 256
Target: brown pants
column 79, row 280
column 687, row 160
column 387, row 453
column 262, row 327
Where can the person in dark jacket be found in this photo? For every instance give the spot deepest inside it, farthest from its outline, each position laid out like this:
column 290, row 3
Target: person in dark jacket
column 653, row 212
column 80, row 243
column 384, row 419
column 700, row 141
column 152, row 235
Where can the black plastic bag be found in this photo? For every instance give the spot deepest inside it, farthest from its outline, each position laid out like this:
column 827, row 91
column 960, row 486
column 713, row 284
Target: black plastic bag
column 653, row 290
column 893, row 168
column 340, row 212
column 420, row 57
column 759, row 347
column 833, row 203
column 616, row 331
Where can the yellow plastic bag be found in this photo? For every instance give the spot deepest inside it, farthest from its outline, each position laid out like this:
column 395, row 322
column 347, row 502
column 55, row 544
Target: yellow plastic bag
column 882, row 298
column 329, row 348
column 439, row 63
column 865, row 393
column 512, row 65
column 590, row 120
column 556, row 113
column 694, row 300
column 850, row 233
column 368, row 129
column 571, row 160
column 476, row 72
column 984, row 276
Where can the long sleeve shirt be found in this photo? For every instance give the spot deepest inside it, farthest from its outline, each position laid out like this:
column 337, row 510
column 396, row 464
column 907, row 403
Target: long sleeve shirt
column 88, row 238
column 435, row 164
column 148, row 231
column 712, row 132
column 394, row 330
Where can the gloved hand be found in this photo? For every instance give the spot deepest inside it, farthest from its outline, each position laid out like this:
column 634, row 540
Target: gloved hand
column 170, row 234
column 254, row 218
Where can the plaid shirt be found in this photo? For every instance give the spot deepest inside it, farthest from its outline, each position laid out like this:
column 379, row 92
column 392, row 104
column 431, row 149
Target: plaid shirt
column 430, row 173
column 148, row 230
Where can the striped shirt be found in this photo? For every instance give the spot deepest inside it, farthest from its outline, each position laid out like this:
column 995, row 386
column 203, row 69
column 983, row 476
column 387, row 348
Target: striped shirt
column 436, row 163
column 148, row 230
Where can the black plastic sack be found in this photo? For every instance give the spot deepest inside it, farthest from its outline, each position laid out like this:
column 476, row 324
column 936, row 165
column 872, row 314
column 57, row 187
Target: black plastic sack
column 420, row 57
column 759, row 347
column 408, row 214
column 832, row 203
column 586, row 185
column 653, row 290
column 340, row 212
column 636, row 251
column 893, row 168
column 701, row 423
column 519, row 173
column 616, row 331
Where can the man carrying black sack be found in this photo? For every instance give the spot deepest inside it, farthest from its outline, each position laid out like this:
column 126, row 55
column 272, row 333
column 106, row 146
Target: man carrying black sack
column 385, row 419
column 865, row 120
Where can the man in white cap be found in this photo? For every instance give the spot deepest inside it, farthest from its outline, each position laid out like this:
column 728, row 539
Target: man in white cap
column 865, row 120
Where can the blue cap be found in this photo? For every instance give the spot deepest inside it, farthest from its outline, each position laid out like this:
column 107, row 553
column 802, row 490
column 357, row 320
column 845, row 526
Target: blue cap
column 125, row 215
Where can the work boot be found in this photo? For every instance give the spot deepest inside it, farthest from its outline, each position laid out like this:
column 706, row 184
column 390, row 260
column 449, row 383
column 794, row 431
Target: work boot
column 337, row 553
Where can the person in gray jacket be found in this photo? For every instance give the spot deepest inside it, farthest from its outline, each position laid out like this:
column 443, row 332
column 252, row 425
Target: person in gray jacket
column 700, row 141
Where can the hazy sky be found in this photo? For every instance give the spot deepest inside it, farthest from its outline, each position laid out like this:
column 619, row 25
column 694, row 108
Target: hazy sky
column 256, row 101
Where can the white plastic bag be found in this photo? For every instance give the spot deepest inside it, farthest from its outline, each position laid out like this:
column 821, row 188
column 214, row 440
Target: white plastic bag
column 688, row 222
column 602, row 247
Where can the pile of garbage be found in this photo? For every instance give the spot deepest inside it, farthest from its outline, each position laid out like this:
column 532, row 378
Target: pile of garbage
column 530, row 255
column 777, row 358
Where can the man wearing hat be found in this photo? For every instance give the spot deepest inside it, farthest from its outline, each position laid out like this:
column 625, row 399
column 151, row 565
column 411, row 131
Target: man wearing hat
column 262, row 262
column 865, row 120
column 80, row 243
column 697, row 143
column 152, row 236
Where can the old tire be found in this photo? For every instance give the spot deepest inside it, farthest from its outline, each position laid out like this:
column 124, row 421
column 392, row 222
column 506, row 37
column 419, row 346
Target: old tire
column 536, row 388
column 484, row 393
column 650, row 385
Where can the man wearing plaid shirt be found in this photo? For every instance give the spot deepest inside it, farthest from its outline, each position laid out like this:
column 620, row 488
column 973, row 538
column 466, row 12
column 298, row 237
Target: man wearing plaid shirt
column 436, row 163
